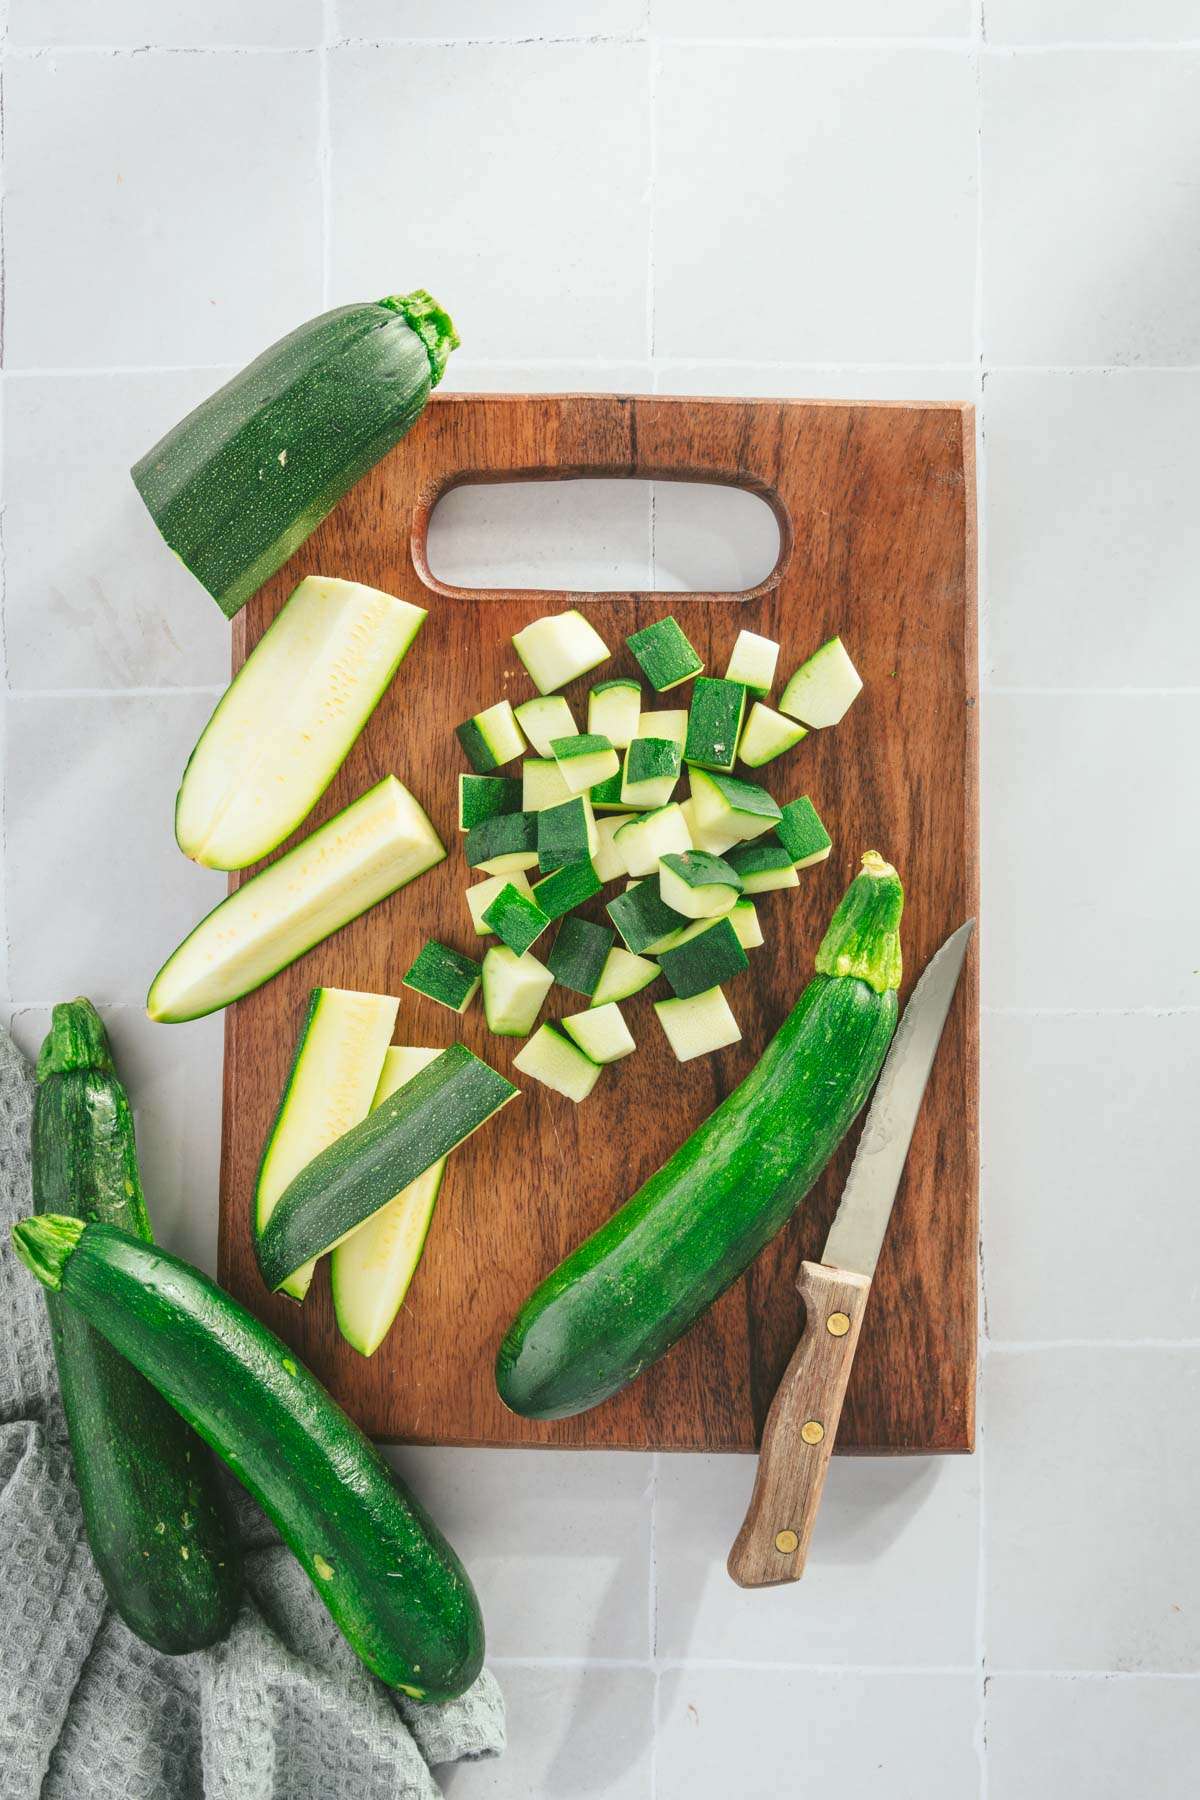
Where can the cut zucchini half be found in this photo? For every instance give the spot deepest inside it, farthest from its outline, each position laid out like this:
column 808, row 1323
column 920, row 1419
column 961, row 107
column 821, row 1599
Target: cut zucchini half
column 707, row 953
column 580, row 954
column 492, row 738
column 698, row 884
column 624, row 975
column 802, row 834
column 744, row 919
column 585, row 760
column 348, row 1183
column 374, row 846
column 557, row 1063
column 335, row 1072
column 481, row 797
column 822, row 689
column 723, row 803
column 558, row 648
column 643, row 919
column 766, row 735
column 566, row 888
column 763, row 867
column 443, row 975
column 544, row 719
column 505, row 842
column 514, row 988
column 607, row 861
column 480, row 897
column 516, row 919
column 614, row 708
column 670, row 723
column 650, row 772
column 542, row 785
column 715, row 723
column 753, row 662
column 664, row 655
column 370, row 1272
column 601, row 1033
column 289, row 718
column 699, row 1024
column 645, row 840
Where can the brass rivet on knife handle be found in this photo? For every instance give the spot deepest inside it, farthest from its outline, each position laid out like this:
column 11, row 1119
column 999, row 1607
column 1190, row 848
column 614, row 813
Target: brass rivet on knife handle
column 800, row 1430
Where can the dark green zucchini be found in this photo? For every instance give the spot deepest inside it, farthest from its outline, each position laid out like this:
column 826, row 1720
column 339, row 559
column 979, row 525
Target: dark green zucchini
column 634, row 1287
column 239, row 484
column 148, row 1487
column 393, row 1585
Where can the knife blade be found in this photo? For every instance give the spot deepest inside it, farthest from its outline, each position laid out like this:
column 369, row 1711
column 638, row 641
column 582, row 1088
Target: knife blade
column 802, row 1423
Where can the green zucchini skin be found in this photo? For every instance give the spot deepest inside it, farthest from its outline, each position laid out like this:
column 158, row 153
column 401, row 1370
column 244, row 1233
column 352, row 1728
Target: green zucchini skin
column 147, row 1485
column 638, row 1284
column 391, row 1582
column 237, row 485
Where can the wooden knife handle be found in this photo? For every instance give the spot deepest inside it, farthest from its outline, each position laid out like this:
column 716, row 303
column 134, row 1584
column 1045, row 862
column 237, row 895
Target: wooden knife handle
column 801, row 1426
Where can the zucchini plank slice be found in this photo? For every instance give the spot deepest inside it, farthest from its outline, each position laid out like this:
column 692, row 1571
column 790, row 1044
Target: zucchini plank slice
column 289, row 718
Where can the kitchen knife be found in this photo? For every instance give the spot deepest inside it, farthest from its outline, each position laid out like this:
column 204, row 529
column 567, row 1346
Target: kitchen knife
column 802, row 1424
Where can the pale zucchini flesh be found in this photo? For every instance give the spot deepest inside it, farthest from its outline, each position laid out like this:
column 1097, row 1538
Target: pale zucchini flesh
column 289, row 718
column 557, row 1063
column 374, row 846
column 698, row 1025
column 332, row 1085
column 822, row 689
column 371, row 1270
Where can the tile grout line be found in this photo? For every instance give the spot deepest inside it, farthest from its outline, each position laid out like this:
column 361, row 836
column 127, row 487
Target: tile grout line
column 325, row 152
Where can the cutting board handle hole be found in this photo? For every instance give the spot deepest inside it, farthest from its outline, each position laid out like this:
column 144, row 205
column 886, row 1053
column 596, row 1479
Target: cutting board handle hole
column 601, row 535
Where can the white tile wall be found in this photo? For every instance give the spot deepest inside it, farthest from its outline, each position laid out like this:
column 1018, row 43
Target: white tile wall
column 859, row 199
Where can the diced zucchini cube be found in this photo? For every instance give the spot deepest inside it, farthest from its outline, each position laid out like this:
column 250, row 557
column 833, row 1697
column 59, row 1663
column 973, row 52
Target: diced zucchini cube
column 702, row 957
column 483, row 796
column 744, row 919
column 624, row 975
column 544, row 719
column 821, row 690
column 584, row 761
column 608, row 862
column 698, row 1024
column 614, row 708
column 643, row 918
column 802, row 834
column 698, row 884
column 580, row 952
column 606, row 795
column 542, row 784
column 670, row 723
column 443, row 975
column 480, row 897
column 558, row 648
column 664, row 654
column 505, row 842
column 715, row 723
column 753, row 662
column 514, row 988
column 714, row 838
column 516, row 919
column 569, row 886
column 557, row 1063
column 766, row 735
column 763, row 867
column 651, row 770
column 646, row 839
column 566, row 833
column 726, row 803
column 601, row 1033
column 491, row 738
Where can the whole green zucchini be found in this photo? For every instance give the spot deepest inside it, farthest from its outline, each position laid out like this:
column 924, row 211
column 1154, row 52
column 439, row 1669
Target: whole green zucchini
column 239, row 484
column 393, row 1585
column 634, row 1287
column 147, row 1485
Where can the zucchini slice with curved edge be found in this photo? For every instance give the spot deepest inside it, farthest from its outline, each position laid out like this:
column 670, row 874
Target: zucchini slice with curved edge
column 288, row 719
column 370, row 1272
column 333, row 1079
column 392, row 1584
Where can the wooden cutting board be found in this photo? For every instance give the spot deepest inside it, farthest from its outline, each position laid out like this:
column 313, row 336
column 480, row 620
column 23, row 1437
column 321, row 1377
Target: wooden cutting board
column 876, row 512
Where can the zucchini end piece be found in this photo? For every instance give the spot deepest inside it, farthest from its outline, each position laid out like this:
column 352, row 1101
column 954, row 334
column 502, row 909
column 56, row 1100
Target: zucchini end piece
column 45, row 1244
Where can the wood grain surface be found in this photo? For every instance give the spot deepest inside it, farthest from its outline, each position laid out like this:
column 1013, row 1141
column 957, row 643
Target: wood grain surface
column 876, row 511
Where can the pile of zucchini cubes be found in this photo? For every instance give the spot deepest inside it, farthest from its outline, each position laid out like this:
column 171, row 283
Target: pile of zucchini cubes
column 595, row 806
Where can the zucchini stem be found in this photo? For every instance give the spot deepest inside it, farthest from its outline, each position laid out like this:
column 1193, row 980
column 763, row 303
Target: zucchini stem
column 863, row 938
column 76, row 1040
column 45, row 1245
column 432, row 324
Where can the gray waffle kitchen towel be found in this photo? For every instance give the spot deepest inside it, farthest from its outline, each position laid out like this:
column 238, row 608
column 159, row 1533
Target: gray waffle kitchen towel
column 282, row 1710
